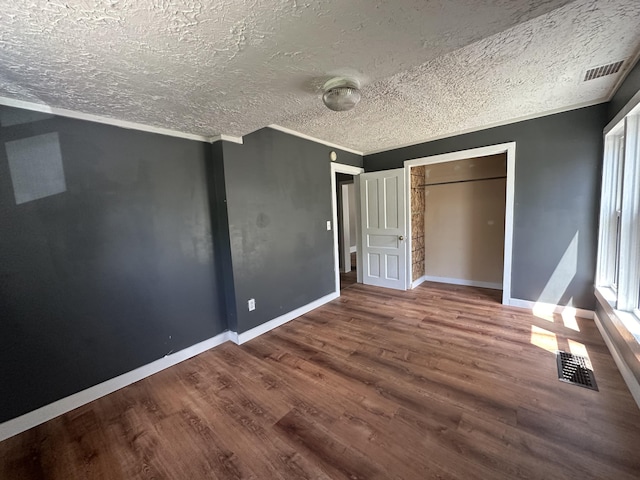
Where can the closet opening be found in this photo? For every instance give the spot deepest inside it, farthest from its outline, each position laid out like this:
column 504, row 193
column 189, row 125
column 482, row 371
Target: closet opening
column 461, row 218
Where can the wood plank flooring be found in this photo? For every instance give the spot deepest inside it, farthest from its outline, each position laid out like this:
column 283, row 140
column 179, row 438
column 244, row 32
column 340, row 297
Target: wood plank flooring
column 350, row 278
column 440, row 382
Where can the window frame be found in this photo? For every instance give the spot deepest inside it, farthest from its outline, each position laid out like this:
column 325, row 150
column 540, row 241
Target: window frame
column 618, row 267
column 608, row 243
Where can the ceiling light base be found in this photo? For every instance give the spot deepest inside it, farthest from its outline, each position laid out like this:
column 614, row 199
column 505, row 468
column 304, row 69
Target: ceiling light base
column 341, row 94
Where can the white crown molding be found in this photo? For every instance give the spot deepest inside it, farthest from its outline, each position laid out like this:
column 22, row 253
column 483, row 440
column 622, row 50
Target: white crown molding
column 626, row 110
column 313, row 139
column 487, row 127
column 38, row 107
column 48, row 412
column 226, row 138
column 633, row 59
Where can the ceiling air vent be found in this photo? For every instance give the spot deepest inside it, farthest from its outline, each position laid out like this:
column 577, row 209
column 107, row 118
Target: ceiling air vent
column 603, row 71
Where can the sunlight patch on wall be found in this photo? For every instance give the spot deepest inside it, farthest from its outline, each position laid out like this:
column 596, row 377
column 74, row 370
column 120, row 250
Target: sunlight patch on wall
column 548, row 312
column 569, row 318
column 544, row 311
column 35, row 165
column 558, row 283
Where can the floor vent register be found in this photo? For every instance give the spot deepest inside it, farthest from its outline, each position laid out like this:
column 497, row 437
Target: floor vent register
column 576, row 370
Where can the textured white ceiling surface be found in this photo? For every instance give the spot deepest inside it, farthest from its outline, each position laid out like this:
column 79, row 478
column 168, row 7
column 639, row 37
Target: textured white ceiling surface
column 428, row 68
column 531, row 69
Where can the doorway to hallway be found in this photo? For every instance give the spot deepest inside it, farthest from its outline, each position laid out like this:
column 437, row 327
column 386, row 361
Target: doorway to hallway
column 346, row 218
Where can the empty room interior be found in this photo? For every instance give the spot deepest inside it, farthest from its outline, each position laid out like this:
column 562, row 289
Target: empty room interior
column 320, row 240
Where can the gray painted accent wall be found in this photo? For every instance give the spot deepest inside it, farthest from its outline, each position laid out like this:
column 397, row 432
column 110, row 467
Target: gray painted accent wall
column 220, row 231
column 557, row 192
column 278, row 191
column 114, row 270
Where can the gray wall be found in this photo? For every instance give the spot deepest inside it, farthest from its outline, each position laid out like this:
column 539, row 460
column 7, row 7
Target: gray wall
column 220, row 227
column 113, row 271
column 557, row 189
column 278, row 193
column 627, row 90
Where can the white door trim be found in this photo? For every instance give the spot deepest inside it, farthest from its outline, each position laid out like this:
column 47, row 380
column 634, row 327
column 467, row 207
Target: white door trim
column 350, row 170
column 345, row 254
column 510, row 150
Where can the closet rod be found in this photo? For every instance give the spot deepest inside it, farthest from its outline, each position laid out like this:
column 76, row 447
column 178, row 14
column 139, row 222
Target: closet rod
column 461, row 181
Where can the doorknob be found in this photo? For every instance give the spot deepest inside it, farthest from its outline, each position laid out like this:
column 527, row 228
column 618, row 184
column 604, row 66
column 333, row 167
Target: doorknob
column 400, row 238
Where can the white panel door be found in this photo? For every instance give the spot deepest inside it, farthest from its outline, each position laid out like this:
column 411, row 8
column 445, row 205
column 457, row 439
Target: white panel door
column 384, row 256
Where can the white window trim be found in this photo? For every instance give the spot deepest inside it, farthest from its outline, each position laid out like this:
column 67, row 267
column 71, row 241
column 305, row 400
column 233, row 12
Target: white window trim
column 607, row 237
column 622, row 151
column 629, row 270
column 630, row 320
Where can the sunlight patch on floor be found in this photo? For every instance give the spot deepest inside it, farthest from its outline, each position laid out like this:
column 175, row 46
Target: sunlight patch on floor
column 544, row 339
column 578, row 348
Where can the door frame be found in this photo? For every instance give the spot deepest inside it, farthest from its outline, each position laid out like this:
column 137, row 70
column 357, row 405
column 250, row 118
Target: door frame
column 344, row 209
column 355, row 171
column 508, row 148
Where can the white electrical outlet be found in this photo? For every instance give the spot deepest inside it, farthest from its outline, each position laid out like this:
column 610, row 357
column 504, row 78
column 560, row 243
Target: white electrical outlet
column 251, row 304
column 328, row 224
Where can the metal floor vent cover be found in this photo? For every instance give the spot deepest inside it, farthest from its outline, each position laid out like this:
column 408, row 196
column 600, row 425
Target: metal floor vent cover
column 575, row 370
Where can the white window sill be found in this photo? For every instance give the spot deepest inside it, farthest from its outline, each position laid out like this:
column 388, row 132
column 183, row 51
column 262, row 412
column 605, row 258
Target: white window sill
column 607, row 298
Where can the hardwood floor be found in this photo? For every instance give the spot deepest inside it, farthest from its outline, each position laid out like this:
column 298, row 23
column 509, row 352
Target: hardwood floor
column 439, row 382
column 350, row 278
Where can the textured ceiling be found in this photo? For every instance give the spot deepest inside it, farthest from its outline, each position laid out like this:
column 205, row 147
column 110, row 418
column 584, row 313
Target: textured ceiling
column 531, row 69
column 429, row 68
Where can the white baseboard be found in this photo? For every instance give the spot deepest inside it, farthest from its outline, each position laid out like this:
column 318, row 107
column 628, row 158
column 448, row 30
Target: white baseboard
column 353, row 249
column 548, row 308
column 461, row 281
column 418, row 281
column 48, row 412
column 625, row 371
column 243, row 337
column 59, row 407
